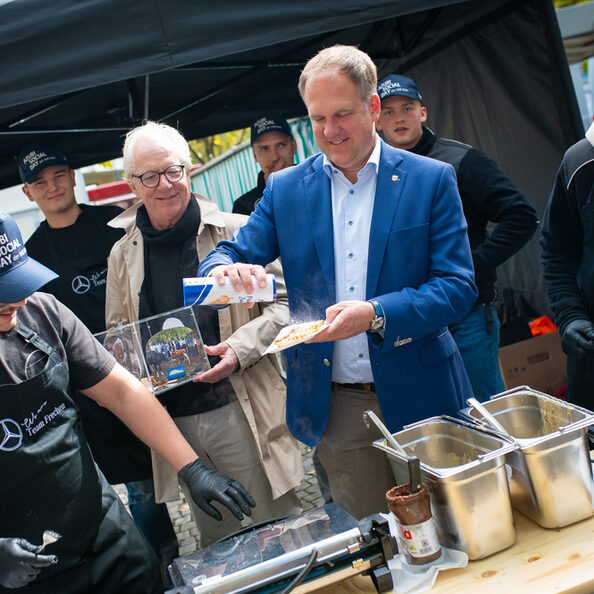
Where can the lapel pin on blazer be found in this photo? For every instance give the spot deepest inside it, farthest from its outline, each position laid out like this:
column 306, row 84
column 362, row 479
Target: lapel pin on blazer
column 395, row 178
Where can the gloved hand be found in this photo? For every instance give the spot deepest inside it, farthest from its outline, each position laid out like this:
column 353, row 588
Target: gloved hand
column 578, row 338
column 206, row 484
column 19, row 564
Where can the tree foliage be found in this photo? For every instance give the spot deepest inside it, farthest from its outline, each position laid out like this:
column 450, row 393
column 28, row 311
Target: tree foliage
column 561, row 3
column 206, row 149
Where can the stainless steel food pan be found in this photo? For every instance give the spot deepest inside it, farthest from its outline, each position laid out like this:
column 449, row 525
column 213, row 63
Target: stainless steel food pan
column 551, row 475
column 464, row 471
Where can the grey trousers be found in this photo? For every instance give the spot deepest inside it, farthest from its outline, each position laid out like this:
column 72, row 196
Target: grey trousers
column 359, row 474
column 223, row 440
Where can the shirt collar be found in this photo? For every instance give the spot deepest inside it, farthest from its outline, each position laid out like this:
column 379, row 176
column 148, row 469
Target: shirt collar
column 372, row 162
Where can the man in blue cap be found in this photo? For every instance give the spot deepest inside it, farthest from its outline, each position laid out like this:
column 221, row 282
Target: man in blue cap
column 75, row 241
column 488, row 196
column 274, row 148
column 50, row 480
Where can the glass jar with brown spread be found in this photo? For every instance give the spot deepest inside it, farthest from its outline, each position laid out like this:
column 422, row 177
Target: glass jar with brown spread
column 417, row 537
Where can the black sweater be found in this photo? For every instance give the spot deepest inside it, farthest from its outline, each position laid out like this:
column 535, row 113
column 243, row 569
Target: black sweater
column 488, row 195
column 568, row 237
column 246, row 204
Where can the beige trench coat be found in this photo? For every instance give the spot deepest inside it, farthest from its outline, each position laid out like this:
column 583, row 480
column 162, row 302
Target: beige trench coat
column 257, row 384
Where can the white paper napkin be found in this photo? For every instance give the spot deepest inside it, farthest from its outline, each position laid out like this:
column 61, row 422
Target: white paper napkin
column 412, row 579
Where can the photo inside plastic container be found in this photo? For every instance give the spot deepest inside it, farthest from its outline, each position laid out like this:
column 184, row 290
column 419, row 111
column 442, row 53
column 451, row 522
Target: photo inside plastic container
column 124, row 353
column 173, row 348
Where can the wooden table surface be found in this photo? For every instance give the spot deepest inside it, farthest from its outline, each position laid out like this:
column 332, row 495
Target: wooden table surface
column 540, row 561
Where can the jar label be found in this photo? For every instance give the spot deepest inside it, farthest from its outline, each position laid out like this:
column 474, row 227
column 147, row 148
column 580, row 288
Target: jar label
column 419, row 540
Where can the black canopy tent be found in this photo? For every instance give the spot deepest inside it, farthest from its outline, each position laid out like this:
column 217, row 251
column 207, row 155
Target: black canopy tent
column 81, row 73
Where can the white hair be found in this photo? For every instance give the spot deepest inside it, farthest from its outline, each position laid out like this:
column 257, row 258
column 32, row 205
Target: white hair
column 160, row 134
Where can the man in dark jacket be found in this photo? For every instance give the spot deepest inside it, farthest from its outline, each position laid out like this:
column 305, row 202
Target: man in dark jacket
column 273, row 146
column 488, row 195
column 568, row 263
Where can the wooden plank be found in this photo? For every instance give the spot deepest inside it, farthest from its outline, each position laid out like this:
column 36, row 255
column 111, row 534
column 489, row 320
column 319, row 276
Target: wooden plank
column 331, row 579
column 541, row 561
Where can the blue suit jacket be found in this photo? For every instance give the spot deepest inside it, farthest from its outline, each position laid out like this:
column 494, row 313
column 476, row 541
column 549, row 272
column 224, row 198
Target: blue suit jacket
column 420, row 270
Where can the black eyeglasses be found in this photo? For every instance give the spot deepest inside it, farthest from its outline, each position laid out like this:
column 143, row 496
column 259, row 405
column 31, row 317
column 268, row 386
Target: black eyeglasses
column 151, row 179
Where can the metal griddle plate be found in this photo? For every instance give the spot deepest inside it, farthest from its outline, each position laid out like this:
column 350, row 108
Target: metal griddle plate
column 259, row 557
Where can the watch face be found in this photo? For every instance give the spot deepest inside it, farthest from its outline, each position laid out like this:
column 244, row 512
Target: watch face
column 377, row 323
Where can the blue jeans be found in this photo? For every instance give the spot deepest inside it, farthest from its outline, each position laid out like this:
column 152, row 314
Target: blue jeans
column 479, row 348
column 153, row 520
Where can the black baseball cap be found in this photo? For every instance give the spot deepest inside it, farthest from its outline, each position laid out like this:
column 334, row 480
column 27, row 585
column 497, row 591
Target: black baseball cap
column 267, row 124
column 20, row 275
column 34, row 158
column 396, row 84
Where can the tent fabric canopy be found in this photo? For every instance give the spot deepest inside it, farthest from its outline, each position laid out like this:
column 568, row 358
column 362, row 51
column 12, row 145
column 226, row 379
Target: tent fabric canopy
column 493, row 74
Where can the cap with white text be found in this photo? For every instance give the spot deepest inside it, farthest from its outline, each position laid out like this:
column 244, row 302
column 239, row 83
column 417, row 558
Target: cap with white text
column 20, row 275
column 396, row 84
column 267, row 124
column 36, row 157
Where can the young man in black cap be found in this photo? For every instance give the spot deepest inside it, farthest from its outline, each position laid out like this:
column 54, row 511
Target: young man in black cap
column 50, row 480
column 274, row 148
column 75, row 241
column 488, row 195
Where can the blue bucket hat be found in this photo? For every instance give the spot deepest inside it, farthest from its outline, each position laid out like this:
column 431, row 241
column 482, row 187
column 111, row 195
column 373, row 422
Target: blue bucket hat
column 20, row 276
column 396, row 84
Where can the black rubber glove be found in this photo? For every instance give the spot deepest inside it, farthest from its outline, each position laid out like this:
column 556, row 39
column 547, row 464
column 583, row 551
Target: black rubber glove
column 206, row 484
column 578, row 338
column 19, row 564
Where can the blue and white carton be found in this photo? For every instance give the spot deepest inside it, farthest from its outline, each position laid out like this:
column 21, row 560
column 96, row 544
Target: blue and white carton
column 206, row 291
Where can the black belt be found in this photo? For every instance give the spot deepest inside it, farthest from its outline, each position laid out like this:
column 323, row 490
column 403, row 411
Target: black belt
column 359, row 387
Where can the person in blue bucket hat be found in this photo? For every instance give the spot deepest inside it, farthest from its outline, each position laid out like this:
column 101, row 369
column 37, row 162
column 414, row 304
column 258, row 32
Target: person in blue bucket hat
column 51, row 484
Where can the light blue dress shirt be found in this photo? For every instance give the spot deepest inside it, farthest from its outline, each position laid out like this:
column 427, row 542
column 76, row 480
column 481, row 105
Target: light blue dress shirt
column 352, row 210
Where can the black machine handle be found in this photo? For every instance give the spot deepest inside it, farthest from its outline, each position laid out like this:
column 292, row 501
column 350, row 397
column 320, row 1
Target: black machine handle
column 376, row 528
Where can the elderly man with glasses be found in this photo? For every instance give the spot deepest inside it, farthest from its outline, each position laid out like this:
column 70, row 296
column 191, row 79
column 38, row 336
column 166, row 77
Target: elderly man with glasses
column 234, row 415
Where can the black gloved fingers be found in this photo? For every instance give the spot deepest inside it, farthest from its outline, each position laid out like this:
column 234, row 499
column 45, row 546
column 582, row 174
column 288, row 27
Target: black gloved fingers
column 34, row 559
column 246, row 494
column 208, row 509
column 26, row 545
column 242, row 496
column 576, row 344
column 230, row 503
column 586, row 340
column 44, row 561
column 19, row 563
column 577, row 338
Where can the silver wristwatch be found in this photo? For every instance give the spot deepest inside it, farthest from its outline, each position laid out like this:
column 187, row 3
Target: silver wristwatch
column 378, row 322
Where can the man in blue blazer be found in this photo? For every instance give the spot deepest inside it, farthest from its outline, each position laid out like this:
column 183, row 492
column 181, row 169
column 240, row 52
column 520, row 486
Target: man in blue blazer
column 373, row 239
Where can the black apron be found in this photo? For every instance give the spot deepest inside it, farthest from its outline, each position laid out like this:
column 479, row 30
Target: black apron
column 51, row 482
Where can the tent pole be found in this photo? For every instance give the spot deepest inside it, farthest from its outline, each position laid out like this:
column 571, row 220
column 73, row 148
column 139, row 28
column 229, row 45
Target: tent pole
column 146, row 96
